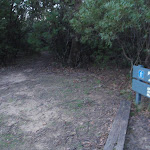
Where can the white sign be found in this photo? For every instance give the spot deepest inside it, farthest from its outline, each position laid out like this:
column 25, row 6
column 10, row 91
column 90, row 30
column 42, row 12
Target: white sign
column 148, row 91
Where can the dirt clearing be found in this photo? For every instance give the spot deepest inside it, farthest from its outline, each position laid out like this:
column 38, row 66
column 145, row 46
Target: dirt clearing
column 41, row 109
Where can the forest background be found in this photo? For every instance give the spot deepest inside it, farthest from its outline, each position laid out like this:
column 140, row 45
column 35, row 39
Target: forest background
column 77, row 32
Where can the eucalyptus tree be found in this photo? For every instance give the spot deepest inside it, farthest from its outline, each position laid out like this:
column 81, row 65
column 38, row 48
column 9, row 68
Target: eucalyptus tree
column 51, row 29
column 11, row 31
column 124, row 25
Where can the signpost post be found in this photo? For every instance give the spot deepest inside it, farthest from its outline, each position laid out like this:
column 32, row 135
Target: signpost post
column 141, row 82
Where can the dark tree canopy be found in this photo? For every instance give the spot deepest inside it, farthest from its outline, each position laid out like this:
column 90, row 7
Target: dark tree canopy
column 77, row 32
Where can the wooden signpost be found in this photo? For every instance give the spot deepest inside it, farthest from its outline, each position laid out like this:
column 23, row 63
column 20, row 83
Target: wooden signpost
column 141, row 82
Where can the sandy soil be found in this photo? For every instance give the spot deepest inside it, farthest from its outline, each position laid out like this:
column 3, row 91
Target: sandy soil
column 44, row 108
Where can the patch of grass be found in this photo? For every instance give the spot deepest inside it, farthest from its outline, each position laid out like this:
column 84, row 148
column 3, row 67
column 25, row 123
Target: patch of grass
column 110, row 92
column 11, row 100
column 82, row 128
column 79, row 147
column 68, row 92
column 98, row 81
column 123, row 92
column 127, row 94
column 98, row 134
column 68, row 123
column 76, row 86
column 77, row 104
column 130, row 96
column 49, row 105
column 1, row 119
column 88, row 101
column 87, row 91
column 139, row 107
column 9, row 141
column 132, row 114
column 128, row 76
column 143, row 106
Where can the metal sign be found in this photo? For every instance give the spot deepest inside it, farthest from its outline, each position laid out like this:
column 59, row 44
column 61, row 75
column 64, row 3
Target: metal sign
column 140, row 82
column 141, row 73
column 141, row 87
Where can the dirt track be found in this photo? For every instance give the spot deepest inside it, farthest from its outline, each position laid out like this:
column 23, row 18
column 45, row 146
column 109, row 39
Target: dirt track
column 42, row 108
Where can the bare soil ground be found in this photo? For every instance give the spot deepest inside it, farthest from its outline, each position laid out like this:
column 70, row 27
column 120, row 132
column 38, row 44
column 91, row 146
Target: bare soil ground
column 46, row 107
column 138, row 135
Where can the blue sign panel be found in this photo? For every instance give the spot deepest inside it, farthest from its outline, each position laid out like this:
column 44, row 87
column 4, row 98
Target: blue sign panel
column 141, row 75
column 141, row 87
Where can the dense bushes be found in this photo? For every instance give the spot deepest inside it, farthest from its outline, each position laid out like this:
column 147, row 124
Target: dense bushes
column 12, row 31
column 76, row 31
column 52, row 33
column 124, row 25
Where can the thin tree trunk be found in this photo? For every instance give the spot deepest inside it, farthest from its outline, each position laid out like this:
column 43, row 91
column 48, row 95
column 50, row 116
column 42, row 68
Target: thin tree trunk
column 75, row 46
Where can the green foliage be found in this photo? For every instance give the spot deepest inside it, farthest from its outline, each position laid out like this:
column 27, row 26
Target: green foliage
column 38, row 38
column 101, row 31
column 125, row 22
column 53, row 32
column 11, row 30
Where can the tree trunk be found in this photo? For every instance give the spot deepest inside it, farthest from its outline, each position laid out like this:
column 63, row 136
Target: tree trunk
column 75, row 46
column 74, row 53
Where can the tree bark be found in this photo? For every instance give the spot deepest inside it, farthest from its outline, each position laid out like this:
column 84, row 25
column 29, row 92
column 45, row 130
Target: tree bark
column 75, row 46
column 74, row 53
